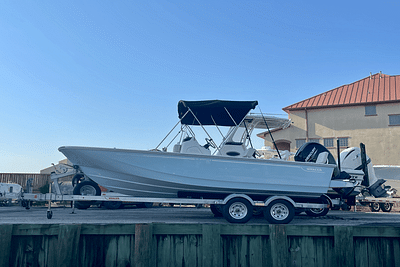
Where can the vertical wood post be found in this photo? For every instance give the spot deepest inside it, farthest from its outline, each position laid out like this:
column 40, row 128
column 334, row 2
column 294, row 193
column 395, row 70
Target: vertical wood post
column 5, row 241
column 212, row 245
column 68, row 245
column 279, row 245
column 143, row 245
column 344, row 245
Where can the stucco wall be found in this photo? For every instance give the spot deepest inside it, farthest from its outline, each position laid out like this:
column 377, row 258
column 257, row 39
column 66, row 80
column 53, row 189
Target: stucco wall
column 382, row 141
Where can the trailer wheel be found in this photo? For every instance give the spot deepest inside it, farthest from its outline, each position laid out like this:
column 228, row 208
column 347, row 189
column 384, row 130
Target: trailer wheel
column 49, row 214
column 144, row 205
column 216, row 210
column 386, row 207
column 86, row 188
column 77, row 179
column 375, row 207
column 112, row 205
column 319, row 212
column 237, row 210
column 279, row 212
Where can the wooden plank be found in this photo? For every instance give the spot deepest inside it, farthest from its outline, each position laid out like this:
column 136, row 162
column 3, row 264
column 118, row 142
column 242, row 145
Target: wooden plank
column 279, row 245
column 111, row 251
column 26, row 251
column 308, row 257
column 240, row 229
column 52, row 242
column 179, row 259
column 35, row 229
column 132, row 248
column 191, row 244
column 361, row 252
column 180, row 229
column 256, row 251
column 212, row 252
column 377, row 231
column 108, row 229
column 374, row 255
column 5, row 242
column 163, row 250
column 68, row 244
column 143, row 245
column 305, row 230
column 231, row 250
column 123, row 250
column 344, row 248
column 396, row 254
column 295, row 250
column 324, row 247
column 266, row 251
column 243, row 253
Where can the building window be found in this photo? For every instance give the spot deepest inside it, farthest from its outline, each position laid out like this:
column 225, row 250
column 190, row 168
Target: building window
column 370, row 110
column 328, row 142
column 394, row 120
column 300, row 142
column 313, row 140
column 343, row 141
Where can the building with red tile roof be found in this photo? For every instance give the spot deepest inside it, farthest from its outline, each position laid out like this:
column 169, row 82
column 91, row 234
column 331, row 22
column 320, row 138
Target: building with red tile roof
column 374, row 89
column 366, row 111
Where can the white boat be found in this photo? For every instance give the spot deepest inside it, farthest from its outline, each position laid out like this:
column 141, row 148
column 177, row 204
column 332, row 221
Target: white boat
column 192, row 170
column 9, row 192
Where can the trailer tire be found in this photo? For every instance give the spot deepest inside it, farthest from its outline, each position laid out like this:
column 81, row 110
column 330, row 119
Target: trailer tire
column 86, row 188
column 216, row 210
column 374, row 206
column 237, row 210
column 145, row 205
column 319, row 212
column 77, row 179
column 279, row 211
column 112, row 205
column 386, row 207
column 49, row 214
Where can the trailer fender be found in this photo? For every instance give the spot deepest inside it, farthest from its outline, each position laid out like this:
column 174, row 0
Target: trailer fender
column 329, row 200
column 238, row 195
column 270, row 199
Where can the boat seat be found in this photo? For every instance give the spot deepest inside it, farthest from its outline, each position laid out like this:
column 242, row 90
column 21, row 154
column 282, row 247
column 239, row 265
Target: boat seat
column 191, row 146
column 232, row 149
column 250, row 153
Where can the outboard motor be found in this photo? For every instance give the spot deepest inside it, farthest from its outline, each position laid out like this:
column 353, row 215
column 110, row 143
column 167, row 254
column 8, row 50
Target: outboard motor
column 354, row 158
column 309, row 152
column 315, row 152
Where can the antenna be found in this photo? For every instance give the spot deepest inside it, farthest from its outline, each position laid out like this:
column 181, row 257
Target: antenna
column 272, row 138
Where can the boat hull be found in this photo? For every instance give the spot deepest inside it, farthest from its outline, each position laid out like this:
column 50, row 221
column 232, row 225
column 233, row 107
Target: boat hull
column 164, row 174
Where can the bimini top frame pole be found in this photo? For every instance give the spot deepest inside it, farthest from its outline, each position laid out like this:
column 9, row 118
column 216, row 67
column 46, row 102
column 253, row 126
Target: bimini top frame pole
column 209, row 136
column 171, row 130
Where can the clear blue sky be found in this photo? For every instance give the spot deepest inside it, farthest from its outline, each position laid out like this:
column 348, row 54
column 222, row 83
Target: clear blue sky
column 110, row 73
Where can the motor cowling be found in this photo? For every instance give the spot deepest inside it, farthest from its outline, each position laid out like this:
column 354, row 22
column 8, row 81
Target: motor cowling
column 314, row 152
column 351, row 158
column 310, row 151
